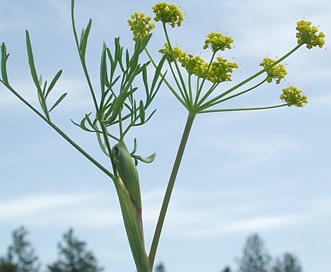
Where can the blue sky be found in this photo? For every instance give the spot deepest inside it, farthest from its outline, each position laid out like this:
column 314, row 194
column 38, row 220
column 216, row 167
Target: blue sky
column 267, row 172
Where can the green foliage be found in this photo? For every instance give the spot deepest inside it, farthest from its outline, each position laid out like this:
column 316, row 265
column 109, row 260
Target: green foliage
column 255, row 257
column 7, row 265
column 42, row 90
column 20, row 255
column 74, row 257
column 288, row 263
column 160, row 268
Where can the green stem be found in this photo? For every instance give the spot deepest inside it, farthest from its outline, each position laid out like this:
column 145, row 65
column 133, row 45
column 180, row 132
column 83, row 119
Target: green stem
column 170, row 187
column 238, row 94
column 82, row 59
column 184, row 92
column 105, row 137
column 203, row 82
column 245, row 109
column 165, row 80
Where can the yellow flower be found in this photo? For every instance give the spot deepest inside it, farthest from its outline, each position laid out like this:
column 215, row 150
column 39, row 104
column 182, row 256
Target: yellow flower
column 167, row 13
column 194, row 65
column 276, row 72
column 217, row 41
column 293, row 96
column 221, row 70
column 309, row 35
column 140, row 25
column 177, row 53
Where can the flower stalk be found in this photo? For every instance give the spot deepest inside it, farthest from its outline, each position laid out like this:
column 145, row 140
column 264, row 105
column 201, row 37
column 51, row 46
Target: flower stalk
column 170, row 186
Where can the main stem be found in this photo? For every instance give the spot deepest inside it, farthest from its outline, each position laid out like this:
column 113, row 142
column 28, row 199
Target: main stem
column 170, row 187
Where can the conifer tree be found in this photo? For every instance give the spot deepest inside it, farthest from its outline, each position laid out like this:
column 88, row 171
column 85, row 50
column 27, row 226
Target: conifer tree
column 20, row 255
column 255, row 257
column 74, row 257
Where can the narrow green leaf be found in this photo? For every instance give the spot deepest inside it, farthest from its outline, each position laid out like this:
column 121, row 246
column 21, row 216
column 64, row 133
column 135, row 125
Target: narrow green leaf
column 37, row 81
column 84, row 38
column 102, row 145
column 4, row 58
column 118, row 53
column 58, row 101
column 158, row 87
column 118, row 105
column 53, row 82
column 148, row 159
column 145, row 40
column 127, row 58
column 142, row 111
column 158, row 72
column 113, row 82
column 31, row 62
column 145, row 80
column 134, row 146
column 44, row 88
column 150, row 116
column 103, row 69
column 83, row 126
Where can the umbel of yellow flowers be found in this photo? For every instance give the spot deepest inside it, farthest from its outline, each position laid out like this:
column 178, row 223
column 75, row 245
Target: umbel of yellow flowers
column 221, row 69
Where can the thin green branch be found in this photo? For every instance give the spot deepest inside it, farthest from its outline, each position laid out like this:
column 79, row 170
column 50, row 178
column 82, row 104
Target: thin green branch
column 170, row 187
column 203, row 82
column 108, row 146
column 244, row 109
column 204, row 106
column 165, row 80
column 237, row 94
column 185, row 94
column 82, row 54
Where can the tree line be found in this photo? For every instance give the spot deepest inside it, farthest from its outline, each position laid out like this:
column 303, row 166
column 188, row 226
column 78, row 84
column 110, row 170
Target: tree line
column 73, row 256
column 256, row 258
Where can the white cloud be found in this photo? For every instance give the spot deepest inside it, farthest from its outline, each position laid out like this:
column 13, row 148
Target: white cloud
column 253, row 224
column 38, row 204
column 225, row 214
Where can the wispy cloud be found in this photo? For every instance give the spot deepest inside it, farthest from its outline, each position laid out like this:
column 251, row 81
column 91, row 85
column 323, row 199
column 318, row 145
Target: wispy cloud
column 37, row 204
column 252, row 224
column 186, row 218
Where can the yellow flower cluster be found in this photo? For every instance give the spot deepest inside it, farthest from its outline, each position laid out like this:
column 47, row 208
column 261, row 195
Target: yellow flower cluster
column 309, row 35
column 217, row 41
column 293, row 97
column 167, row 13
column 177, row 52
column 221, row 70
column 218, row 71
column 140, row 24
column 194, row 65
column 276, row 72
